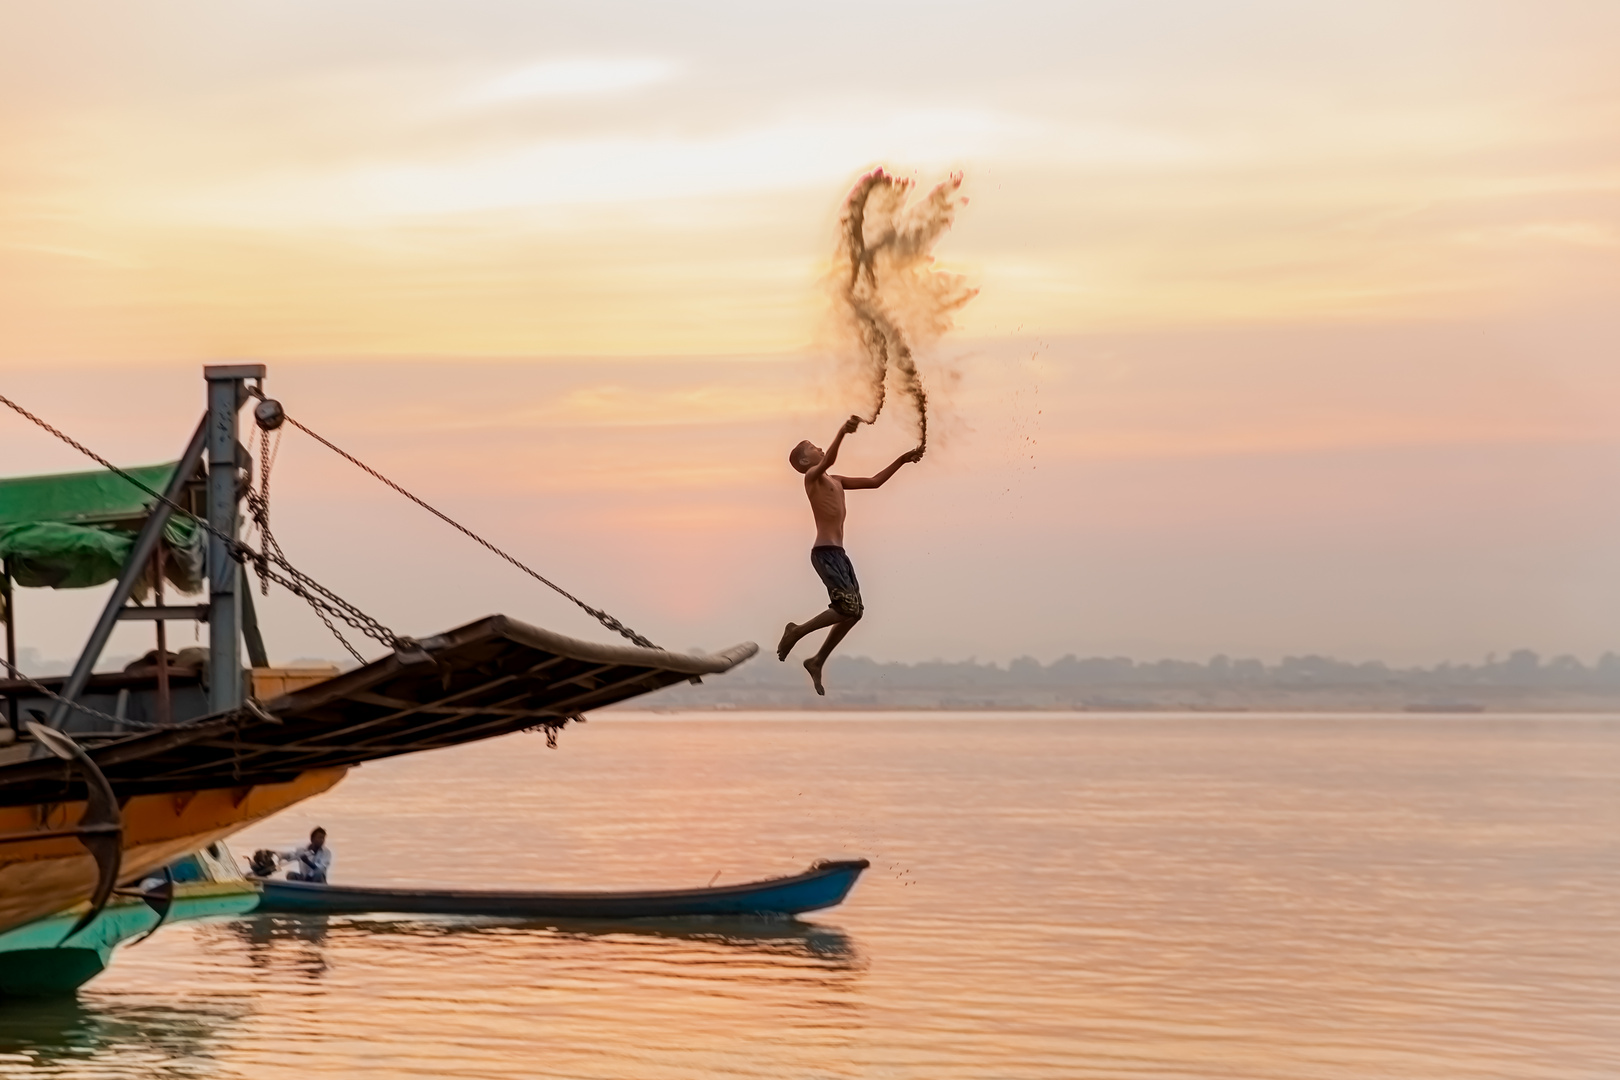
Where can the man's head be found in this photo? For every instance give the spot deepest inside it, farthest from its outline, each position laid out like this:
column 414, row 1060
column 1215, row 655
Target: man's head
column 806, row 456
column 317, row 838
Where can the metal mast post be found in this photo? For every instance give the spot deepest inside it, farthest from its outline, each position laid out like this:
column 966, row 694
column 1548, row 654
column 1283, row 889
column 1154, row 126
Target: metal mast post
column 227, row 393
column 8, row 600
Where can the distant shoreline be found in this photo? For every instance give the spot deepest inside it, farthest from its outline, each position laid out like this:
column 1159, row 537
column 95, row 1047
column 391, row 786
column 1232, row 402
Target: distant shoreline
column 1530, row 709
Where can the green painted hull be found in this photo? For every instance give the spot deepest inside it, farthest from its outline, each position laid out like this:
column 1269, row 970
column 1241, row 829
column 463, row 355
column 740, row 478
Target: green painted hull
column 35, row 962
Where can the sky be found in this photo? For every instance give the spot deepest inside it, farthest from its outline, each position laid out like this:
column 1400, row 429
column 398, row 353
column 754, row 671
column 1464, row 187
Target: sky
column 1295, row 333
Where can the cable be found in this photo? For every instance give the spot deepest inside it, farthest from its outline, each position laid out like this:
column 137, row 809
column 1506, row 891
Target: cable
column 323, row 600
column 600, row 616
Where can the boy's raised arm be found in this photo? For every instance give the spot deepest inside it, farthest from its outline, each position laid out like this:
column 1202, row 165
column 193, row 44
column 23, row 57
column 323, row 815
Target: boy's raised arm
column 856, row 483
column 819, row 468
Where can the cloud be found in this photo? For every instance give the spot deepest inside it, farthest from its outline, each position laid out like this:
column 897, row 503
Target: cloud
column 572, row 78
column 1578, row 234
column 793, row 153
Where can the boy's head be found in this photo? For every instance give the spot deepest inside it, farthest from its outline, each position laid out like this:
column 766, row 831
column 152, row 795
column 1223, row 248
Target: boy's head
column 806, row 456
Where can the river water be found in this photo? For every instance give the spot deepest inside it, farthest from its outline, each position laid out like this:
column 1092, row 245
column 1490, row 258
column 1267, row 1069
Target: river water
column 1051, row 896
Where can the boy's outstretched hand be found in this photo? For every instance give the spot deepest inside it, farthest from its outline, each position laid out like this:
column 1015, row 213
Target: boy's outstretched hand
column 912, row 456
column 851, row 424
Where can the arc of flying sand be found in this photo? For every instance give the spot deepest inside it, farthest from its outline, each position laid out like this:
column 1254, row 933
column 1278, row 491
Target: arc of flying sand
column 881, row 336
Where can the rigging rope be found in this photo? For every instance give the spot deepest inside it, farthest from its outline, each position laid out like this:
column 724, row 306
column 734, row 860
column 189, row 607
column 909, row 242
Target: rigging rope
column 326, row 603
column 259, row 506
column 600, row 616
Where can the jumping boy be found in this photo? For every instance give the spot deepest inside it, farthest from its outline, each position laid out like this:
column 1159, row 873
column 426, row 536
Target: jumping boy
column 826, row 494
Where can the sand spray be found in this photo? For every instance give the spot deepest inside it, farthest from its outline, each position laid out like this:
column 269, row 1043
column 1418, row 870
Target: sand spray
column 891, row 297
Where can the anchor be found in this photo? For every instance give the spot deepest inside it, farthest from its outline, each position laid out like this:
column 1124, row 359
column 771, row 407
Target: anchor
column 161, row 900
column 100, row 828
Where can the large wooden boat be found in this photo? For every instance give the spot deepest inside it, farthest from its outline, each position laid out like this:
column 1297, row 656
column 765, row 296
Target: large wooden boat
column 823, row 885
column 105, row 777
column 40, row 959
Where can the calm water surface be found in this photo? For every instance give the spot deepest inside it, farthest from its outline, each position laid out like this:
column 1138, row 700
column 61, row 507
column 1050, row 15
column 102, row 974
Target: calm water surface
column 1051, row 896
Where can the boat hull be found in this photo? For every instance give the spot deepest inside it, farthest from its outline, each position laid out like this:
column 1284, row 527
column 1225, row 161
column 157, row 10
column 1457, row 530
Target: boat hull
column 36, row 962
column 822, row 886
column 43, row 877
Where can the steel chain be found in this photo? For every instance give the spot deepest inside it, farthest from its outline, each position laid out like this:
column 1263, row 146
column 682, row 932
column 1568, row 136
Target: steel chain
column 330, row 603
column 16, row 673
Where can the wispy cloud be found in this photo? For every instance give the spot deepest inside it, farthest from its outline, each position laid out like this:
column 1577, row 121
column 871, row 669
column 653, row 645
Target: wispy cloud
column 572, row 77
column 791, row 153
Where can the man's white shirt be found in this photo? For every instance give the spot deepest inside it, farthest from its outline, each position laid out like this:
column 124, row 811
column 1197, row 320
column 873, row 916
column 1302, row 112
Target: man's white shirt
column 311, row 861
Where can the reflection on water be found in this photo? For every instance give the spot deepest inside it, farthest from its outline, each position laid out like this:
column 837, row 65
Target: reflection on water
column 119, row 1038
column 290, row 946
column 254, row 989
column 294, row 942
column 1259, row 897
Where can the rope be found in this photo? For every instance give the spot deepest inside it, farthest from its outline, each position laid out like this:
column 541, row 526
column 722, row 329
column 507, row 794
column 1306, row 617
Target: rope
column 92, row 455
column 596, row 613
column 325, row 602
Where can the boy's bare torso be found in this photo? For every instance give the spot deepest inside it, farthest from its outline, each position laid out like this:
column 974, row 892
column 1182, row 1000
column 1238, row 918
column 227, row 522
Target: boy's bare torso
column 826, row 495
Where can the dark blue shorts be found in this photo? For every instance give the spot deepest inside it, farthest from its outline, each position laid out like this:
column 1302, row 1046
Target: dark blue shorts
column 838, row 574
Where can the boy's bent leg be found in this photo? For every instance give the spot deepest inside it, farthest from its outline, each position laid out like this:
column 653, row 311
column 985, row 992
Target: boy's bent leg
column 795, row 631
column 814, row 665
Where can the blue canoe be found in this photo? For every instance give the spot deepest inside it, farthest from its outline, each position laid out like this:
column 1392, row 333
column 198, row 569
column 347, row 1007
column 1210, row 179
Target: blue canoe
column 825, row 884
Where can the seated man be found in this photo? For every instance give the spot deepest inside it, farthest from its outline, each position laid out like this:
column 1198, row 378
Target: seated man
column 314, row 859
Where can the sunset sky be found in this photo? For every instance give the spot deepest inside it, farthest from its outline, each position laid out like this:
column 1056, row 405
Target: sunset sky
column 1296, row 333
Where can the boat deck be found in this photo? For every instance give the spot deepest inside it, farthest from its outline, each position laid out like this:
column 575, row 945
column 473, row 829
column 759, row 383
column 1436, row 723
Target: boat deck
column 488, row 678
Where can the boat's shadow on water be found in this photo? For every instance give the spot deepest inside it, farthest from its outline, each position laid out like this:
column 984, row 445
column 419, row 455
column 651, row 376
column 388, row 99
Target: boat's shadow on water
column 48, row 1032
column 787, row 938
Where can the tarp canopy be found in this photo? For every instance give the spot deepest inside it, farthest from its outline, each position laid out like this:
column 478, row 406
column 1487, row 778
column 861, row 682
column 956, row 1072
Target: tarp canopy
column 82, row 498
column 76, row 530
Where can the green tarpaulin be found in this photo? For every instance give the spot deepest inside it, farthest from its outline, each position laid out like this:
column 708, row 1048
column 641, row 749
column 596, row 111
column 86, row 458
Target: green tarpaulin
column 83, row 498
column 48, row 555
column 75, row 530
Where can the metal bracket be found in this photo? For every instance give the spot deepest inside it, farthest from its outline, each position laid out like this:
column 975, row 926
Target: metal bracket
column 153, row 613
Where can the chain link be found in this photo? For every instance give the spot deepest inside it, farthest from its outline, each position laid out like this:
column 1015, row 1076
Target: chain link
column 150, row 725
column 325, row 602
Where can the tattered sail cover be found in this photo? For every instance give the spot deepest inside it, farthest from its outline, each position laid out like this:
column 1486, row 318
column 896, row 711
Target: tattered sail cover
column 485, row 679
column 76, row 530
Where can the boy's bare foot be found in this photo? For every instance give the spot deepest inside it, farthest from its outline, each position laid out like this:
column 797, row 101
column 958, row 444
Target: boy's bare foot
column 813, row 666
column 790, row 638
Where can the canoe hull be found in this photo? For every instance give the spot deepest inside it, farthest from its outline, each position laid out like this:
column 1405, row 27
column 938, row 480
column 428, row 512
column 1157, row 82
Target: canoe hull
column 822, row 886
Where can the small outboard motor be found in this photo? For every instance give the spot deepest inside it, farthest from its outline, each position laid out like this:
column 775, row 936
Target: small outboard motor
column 263, row 863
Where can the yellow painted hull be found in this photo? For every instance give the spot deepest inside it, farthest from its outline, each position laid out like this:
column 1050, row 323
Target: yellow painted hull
column 40, row 878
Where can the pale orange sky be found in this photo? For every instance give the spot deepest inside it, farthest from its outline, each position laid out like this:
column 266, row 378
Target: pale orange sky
column 184, row 180
column 1304, row 311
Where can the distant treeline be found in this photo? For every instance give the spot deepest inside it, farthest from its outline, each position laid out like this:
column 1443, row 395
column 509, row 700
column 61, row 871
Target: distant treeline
column 1521, row 668
column 1519, row 681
